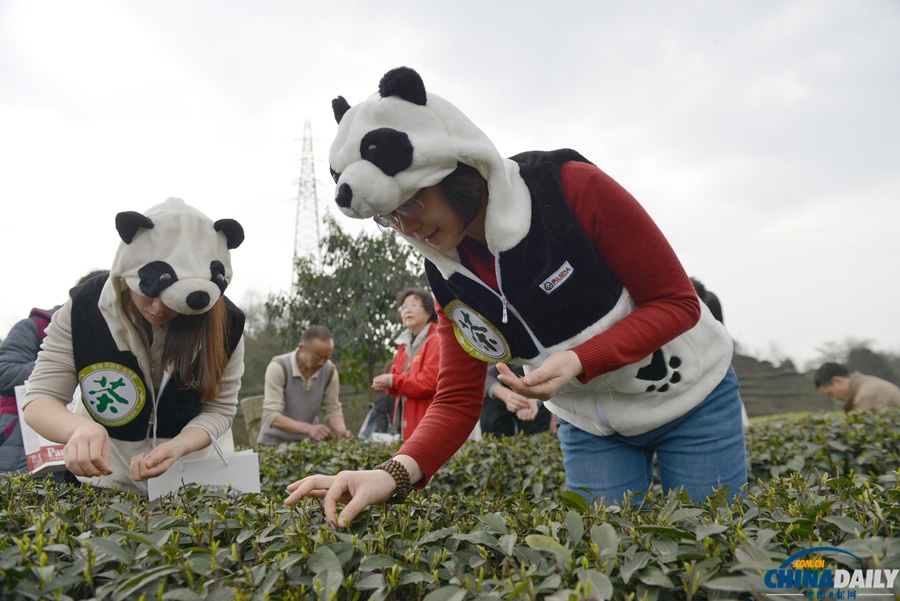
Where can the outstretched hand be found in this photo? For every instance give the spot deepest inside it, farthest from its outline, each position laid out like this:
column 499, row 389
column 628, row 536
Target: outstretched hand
column 381, row 383
column 529, row 413
column 87, row 452
column 545, row 381
column 513, row 401
column 356, row 489
column 156, row 462
column 319, row 432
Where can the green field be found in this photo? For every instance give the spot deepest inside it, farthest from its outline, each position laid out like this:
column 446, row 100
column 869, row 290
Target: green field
column 495, row 523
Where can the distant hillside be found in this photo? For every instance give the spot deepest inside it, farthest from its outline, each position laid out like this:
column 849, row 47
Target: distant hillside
column 766, row 389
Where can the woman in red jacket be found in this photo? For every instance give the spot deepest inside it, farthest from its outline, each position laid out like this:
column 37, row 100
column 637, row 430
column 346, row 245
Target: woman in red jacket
column 413, row 377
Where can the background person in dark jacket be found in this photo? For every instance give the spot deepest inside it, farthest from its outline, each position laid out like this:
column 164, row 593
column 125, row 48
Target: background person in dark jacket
column 710, row 299
column 385, row 414
column 17, row 355
column 506, row 412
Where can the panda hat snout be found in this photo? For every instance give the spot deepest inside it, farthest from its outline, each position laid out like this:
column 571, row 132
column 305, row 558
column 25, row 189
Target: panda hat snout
column 191, row 296
column 177, row 254
column 365, row 190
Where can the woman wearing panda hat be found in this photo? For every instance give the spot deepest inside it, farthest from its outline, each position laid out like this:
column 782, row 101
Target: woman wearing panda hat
column 154, row 347
column 545, row 261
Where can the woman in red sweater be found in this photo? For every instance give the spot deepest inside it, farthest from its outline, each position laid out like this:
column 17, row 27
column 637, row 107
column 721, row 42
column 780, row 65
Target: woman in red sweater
column 413, row 376
column 545, row 261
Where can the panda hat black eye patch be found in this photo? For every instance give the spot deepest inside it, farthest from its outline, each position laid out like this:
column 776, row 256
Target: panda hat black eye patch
column 388, row 149
column 217, row 272
column 155, row 277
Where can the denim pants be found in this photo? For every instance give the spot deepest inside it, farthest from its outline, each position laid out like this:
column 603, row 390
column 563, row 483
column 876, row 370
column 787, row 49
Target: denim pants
column 700, row 451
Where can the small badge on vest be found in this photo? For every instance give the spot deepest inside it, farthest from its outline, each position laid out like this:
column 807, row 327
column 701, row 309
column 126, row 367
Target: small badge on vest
column 558, row 278
column 112, row 393
column 476, row 334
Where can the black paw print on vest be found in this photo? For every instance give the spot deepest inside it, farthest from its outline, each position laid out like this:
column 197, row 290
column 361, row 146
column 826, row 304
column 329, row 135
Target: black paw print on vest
column 657, row 370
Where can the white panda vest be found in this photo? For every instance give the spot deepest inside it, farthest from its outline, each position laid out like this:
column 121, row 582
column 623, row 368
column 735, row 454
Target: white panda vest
column 558, row 292
column 112, row 381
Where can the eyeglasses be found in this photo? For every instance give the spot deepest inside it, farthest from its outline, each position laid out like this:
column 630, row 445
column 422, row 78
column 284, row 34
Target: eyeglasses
column 410, row 208
column 408, row 307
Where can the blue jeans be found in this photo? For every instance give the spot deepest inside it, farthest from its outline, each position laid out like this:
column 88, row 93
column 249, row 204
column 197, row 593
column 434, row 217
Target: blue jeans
column 700, row 451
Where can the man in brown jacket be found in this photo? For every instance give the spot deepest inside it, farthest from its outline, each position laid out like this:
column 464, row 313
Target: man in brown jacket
column 854, row 389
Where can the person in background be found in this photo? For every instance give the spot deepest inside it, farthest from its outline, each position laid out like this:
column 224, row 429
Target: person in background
column 710, row 299
column 299, row 386
column 506, row 412
column 541, row 260
column 18, row 353
column 155, row 348
column 384, row 414
column 857, row 391
column 413, row 376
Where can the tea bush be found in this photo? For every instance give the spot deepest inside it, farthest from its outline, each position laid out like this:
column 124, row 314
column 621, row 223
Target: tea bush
column 495, row 523
column 866, row 444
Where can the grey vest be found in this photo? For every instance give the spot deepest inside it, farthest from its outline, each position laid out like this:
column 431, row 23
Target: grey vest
column 299, row 403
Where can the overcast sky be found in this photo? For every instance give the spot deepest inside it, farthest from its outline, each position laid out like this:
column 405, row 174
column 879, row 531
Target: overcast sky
column 762, row 136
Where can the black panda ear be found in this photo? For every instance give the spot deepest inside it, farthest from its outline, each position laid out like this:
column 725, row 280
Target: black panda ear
column 404, row 83
column 129, row 222
column 234, row 232
column 340, row 106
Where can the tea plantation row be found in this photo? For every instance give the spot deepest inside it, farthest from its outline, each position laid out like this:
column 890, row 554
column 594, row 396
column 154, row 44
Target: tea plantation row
column 496, row 523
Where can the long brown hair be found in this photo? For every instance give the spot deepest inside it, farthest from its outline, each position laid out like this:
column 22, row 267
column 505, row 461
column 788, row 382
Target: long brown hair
column 196, row 347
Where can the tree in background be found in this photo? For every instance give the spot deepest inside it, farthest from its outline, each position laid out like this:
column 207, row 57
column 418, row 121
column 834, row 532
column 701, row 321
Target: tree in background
column 261, row 343
column 256, row 315
column 259, row 348
column 867, row 361
column 830, row 352
column 353, row 293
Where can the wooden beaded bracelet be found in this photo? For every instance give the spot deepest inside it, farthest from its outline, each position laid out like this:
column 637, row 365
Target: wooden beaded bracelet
column 401, row 476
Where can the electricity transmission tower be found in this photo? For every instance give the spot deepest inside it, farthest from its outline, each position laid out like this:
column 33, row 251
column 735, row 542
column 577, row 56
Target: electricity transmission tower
column 306, row 233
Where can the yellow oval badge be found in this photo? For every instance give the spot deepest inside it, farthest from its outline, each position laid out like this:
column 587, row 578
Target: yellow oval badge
column 113, row 393
column 476, row 334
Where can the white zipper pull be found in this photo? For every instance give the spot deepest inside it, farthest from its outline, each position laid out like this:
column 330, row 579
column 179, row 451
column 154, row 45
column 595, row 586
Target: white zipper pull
column 500, row 285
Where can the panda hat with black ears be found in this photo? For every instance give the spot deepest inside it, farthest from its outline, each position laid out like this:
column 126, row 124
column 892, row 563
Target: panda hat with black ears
column 175, row 253
column 402, row 139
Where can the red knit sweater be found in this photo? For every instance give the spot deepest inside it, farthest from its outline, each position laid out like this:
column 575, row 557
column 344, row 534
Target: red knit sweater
column 640, row 256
